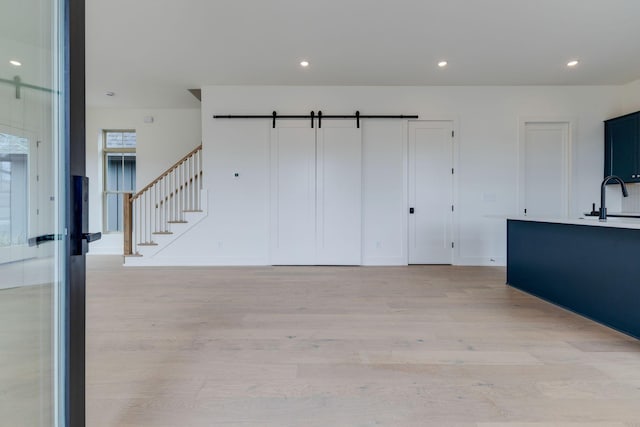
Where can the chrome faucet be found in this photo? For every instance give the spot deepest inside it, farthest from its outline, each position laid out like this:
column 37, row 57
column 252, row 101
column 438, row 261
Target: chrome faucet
column 625, row 193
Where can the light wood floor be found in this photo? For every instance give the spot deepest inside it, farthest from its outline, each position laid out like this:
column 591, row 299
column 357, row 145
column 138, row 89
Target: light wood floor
column 26, row 356
column 323, row 346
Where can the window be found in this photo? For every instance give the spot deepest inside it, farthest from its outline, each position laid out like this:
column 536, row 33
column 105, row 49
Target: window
column 14, row 182
column 119, row 148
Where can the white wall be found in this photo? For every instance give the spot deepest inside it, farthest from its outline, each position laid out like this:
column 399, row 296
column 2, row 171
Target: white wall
column 173, row 133
column 630, row 98
column 486, row 118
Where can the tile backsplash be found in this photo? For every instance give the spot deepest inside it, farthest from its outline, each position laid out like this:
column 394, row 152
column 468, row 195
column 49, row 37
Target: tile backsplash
column 632, row 203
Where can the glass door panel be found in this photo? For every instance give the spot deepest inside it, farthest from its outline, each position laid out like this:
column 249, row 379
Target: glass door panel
column 32, row 207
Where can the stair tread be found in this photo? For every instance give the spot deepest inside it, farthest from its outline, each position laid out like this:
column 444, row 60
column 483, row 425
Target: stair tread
column 162, row 232
column 177, row 222
column 148, row 244
column 194, row 210
column 133, row 256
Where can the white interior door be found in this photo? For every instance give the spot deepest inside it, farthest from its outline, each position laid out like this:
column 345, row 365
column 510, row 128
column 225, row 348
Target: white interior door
column 293, row 193
column 430, row 192
column 545, row 169
column 339, row 193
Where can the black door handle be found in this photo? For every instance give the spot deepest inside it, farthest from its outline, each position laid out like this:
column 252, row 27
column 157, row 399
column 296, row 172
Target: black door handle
column 412, row 211
column 35, row 241
column 91, row 237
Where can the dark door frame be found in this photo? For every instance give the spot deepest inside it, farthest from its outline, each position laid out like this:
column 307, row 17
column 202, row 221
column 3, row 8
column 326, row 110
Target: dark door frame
column 74, row 149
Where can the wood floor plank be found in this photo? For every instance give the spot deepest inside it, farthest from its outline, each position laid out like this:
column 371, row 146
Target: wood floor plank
column 345, row 346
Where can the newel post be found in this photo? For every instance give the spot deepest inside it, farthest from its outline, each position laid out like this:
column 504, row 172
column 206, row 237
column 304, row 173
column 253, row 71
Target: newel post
column 128, row 223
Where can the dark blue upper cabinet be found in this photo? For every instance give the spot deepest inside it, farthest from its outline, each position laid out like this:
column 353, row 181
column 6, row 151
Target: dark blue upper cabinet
column 621, row 147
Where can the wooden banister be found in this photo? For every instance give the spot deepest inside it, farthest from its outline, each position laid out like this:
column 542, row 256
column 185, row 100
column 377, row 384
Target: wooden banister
column 128, row 223
column 167, row 172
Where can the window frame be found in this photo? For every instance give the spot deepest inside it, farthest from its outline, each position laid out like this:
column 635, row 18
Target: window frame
column 105, row 154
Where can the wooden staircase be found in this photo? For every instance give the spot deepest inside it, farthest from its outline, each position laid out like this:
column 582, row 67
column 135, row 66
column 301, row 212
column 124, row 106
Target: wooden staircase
column 164, row 209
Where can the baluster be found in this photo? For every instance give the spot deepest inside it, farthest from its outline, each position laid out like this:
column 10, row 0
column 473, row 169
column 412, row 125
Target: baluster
column 172, row 187
column 143, row 235
column 134, row 226
column 149, row 216
column 144, row 217
column 182, row 190
column 139, row 225
column 193, row 182
column 179, row 190
column 134, row 241
column 158, row 207
column 176, row 194
column 154, row 206
column 197, row 181
column 159, row 184
column 162, row 217
column 150, row 191
column 167, row 207
column 152, row 212
column 200, row 160
column 171, row 196
column 186, row 186
column 188, row 183
column 166, row 203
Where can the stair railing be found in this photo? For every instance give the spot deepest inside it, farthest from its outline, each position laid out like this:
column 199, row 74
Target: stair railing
column 162, row 202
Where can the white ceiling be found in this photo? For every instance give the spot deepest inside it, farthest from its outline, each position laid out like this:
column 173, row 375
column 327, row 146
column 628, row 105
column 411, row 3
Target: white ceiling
column 149, row 52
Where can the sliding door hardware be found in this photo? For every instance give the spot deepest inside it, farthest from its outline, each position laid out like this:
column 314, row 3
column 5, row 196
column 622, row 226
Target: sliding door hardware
column 357, row 116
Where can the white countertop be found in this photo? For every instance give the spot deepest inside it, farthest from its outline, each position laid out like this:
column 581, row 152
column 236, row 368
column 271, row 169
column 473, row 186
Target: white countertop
column 589, row 220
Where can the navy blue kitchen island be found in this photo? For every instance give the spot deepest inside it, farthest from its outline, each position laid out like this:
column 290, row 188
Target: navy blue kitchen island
column 583, row 265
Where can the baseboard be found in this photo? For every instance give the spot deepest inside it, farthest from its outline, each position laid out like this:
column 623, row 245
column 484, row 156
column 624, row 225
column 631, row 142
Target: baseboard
column 382, row 261
column 482, row 261
column 195, row 262
column 261, row 261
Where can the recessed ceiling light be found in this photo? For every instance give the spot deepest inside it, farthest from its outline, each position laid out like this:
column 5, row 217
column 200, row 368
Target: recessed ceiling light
column 110, row 93
column 304, row 64
column 442, row 64
column 15, row 63
column 572, row 63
